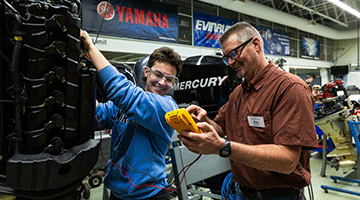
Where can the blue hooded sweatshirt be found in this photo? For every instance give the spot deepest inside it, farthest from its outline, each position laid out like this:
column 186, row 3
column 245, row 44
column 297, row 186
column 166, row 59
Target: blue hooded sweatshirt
column 140, row 136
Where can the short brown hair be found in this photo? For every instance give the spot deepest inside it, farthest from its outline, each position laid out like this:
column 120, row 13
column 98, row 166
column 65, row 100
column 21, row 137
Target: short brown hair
column 166, row 55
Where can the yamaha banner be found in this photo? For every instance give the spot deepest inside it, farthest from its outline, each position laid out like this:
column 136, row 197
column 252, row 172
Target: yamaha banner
column 208, row 29
column 309, row 48
column 132, row 19
column 275, row 42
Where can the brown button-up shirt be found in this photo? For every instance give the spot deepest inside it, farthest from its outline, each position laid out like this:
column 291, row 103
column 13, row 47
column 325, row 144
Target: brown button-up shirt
column 275, row 107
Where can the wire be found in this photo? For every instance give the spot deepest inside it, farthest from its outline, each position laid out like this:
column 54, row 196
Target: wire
column 7, row 101
column 145, row 185
column 186, row 167
column 5, row 57
column 106, row 12
column 344, row 52
column 10, row 6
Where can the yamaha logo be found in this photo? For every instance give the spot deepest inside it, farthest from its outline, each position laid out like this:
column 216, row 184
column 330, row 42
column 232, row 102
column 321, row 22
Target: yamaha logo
column 106, row 10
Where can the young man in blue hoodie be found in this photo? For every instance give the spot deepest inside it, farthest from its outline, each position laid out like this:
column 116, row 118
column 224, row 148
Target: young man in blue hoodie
column 140, row 135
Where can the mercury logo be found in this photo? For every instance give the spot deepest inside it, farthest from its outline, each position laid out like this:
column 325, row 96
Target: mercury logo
column 202, row 83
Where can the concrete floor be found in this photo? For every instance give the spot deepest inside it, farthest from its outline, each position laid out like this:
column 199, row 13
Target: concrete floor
column 316, row 181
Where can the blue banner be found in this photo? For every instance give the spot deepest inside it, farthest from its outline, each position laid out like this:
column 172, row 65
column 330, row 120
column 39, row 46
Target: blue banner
column 275, row 42
column 208, row 29
column 132, row 19
column 309, row 48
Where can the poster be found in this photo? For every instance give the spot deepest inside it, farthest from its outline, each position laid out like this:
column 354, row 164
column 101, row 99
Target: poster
column 309, row 48
column 275, row 42
column 132, row 19
column 208, row 29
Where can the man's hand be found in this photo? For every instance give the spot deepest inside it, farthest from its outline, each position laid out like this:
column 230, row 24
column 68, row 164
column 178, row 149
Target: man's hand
column 200, row 115
column 207, row 143
column 197, row 113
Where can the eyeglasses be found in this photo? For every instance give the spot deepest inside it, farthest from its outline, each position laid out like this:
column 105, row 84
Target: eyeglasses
column 158, row 76
column 233, row 53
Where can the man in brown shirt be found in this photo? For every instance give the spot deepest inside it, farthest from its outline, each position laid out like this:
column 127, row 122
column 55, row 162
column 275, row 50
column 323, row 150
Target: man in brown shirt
column 268, row 122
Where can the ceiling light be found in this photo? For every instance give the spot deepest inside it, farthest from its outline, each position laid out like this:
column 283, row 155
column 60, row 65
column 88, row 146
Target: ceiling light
column 346, row 7
column 301, row 67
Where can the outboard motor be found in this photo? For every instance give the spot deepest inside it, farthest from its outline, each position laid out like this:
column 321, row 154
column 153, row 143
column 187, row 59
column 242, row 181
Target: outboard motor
column 47, row 101
column 139, row 70
column 205, row 81
column 124, row 69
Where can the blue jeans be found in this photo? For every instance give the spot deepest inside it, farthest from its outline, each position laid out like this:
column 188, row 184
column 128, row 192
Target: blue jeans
column 239, row 196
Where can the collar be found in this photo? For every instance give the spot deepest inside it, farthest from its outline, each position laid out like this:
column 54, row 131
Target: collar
column 258, row 81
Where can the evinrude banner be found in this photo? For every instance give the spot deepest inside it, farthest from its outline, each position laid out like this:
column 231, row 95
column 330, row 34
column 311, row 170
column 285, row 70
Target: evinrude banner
column 208, row 29
column 309, row 48
column 132, row 19
column 275, row 42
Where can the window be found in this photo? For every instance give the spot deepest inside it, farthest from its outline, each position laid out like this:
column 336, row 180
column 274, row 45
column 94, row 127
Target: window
column 313, row 36
column 279, row 27
column 265, row 24
column 302, row 34
column 185, row 30
column 205, row 8
column 292, row 32
column 322, row 48
column 250, row 19
column 293, row 48
column 329, row 50
column 228, row 14
column 184, row 6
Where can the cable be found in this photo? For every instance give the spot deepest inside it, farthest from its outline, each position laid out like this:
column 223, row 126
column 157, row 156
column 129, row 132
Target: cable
column 102, row 21
column 5, row 57
column 176, row 178
column 344, row 52
column 145, row 185
column 226, row 189
column 7, row 101
column 186, row 167
column 10, row 7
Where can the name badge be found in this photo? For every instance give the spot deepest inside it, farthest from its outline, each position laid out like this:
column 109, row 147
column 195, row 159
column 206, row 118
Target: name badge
column 256, row 121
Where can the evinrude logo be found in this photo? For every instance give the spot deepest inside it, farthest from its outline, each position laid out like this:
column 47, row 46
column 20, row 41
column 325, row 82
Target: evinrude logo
column 211, row 27
column 202, row 83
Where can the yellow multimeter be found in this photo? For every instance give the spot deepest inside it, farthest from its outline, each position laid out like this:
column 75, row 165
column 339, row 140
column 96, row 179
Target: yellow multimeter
column 180, row 119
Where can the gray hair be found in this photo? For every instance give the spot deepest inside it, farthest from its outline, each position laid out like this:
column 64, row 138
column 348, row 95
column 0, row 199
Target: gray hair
column 244, row 32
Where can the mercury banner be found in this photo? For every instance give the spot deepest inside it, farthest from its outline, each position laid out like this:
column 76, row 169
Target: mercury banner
column 132, row 19
column 309, row 48
column 275, row 42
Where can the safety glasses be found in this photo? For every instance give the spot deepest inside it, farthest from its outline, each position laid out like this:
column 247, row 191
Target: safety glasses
column 234, row 52
column 157, row 75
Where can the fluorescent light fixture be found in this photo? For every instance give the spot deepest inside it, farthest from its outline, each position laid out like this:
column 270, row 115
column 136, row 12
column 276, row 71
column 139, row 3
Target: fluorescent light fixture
column 346, row 7
column 301, row 67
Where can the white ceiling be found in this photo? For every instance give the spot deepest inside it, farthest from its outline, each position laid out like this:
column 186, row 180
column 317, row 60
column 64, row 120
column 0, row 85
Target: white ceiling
column 319, row 11
column 320, row 17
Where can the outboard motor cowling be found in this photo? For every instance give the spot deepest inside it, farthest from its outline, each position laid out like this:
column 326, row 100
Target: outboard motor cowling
column 205, row 81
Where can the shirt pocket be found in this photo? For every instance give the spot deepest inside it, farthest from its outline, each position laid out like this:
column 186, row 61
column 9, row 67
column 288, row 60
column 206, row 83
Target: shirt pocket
column 260, row 134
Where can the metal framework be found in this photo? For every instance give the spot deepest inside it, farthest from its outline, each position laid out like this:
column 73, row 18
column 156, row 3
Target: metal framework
column 317, row 11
